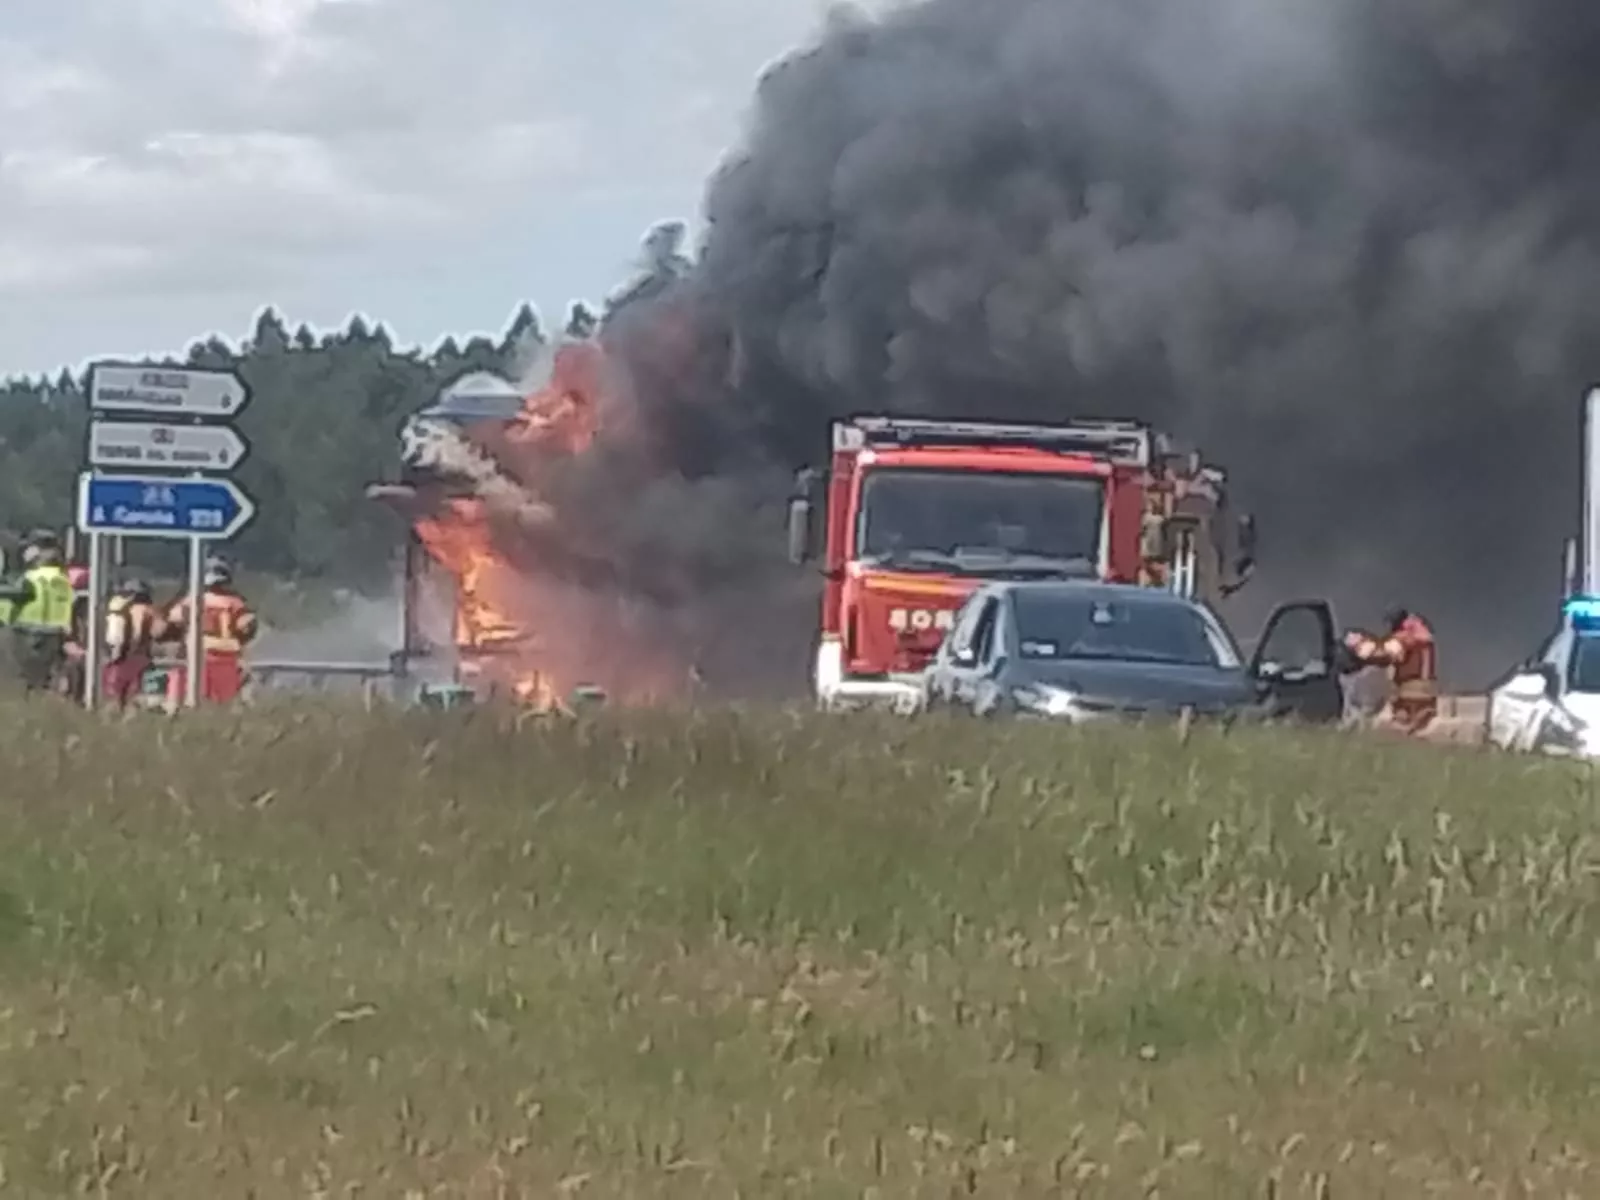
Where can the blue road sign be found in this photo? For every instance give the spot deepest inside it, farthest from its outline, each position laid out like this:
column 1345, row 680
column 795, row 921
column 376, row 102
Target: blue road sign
column 162, row 506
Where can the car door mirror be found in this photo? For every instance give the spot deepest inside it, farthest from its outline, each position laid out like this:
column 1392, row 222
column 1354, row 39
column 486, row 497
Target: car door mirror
column 802, row 506
column 1249, row 537
column 1244, row 563
column 799, row 530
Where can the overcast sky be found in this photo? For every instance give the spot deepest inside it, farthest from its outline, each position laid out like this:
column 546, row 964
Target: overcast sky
column 168, row 166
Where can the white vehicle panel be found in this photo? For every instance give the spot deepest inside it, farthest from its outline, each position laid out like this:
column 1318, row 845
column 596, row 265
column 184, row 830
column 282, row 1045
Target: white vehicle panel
column 1516, row 710
column 1551, row 704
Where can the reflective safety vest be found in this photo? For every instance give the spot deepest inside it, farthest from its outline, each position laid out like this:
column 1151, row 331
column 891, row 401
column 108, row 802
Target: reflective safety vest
column 1416, row 666
column 1411, row 657
column 50, row 605
column 130, row 627
column 226, row 622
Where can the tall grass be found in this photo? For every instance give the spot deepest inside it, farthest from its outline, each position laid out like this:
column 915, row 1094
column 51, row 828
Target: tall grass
column 331, row 952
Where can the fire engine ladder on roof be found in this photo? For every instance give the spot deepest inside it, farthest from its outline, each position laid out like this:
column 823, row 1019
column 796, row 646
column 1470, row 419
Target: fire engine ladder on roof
column 1184, row 577
column 1123, row 441
column 1174, row 542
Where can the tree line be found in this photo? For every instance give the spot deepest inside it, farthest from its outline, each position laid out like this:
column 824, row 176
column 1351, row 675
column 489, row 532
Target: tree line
column 323, row 422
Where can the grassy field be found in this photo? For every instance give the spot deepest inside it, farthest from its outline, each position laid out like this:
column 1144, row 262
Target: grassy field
column 338, row 953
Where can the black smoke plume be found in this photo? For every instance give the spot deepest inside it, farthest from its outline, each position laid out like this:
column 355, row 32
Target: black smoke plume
column 1346, row 246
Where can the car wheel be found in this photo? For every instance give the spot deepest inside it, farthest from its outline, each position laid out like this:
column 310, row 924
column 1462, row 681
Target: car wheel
column 992, row 704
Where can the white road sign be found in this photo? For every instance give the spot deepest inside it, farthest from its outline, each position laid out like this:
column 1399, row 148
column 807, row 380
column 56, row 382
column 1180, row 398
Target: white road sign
column 186, row 392
column 137, row 444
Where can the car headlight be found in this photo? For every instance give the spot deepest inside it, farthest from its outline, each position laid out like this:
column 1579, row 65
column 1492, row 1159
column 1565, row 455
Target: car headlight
column 1045, row 701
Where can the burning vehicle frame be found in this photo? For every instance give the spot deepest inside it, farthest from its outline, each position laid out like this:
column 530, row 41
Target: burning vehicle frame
column 481, row 542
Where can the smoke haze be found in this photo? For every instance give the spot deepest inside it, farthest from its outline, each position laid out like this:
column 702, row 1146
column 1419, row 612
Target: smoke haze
column 1346, row 246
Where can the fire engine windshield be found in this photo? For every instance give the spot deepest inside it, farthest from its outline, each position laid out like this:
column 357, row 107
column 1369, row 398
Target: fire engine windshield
column 913, row 516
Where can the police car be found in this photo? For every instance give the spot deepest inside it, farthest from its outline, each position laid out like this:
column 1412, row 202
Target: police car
column 1551, row 703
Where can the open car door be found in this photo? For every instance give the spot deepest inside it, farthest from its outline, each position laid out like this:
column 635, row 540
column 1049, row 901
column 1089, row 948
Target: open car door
column 1296, row 662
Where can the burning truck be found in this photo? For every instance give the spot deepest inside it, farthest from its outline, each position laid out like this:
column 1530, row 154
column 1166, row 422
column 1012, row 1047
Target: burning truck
column 502, row 597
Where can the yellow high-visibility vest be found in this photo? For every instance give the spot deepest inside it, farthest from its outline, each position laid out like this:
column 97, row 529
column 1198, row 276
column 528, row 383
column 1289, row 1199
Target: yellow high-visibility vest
column 50, row 605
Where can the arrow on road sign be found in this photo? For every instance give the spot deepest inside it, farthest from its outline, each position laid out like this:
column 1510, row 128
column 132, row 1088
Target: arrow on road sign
column 133, row 444
column 161, row 506
column 185, row 391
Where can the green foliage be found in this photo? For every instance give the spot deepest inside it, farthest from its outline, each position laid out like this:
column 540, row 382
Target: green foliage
column 321, row 950
column 323, row 423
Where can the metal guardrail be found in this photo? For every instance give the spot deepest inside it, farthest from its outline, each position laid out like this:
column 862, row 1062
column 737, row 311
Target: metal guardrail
column 366, row 670
column 317, row 676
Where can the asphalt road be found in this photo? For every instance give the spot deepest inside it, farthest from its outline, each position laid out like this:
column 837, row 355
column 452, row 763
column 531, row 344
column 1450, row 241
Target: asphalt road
column 1460, row 720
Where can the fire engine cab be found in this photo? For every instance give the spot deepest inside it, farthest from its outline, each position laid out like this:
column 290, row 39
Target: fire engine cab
column 918, row 512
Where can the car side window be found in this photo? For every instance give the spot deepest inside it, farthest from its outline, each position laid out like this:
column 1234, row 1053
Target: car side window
column 1295, row 642
column 984, row 637
column 959, row 640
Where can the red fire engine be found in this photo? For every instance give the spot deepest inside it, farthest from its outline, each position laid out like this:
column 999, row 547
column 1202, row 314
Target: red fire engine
column 918, row 512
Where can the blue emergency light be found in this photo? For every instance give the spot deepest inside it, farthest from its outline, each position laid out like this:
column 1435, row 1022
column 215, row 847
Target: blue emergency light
column 1584, row 613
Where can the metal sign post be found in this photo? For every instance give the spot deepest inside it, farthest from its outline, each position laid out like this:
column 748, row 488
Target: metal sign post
column 94, row 631
column 192, row 507
column 191, row 677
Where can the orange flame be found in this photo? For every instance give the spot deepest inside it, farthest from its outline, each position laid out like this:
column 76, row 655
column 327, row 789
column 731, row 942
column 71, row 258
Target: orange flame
column 516, row 629
column 563, row 416
column 459, row 540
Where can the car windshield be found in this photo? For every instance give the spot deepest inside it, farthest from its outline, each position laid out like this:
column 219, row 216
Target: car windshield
column 1583, row 672
column 913, row 516
column 1063, row 625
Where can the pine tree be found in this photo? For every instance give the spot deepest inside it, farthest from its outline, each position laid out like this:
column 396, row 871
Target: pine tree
column 524, row 326
column 269, row 337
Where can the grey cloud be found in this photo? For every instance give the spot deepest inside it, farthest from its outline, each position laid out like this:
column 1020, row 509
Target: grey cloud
column 170, row 137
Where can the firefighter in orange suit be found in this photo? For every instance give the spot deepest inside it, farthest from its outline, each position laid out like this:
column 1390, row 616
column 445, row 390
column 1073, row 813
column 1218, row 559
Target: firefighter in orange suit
column 227, row 626
column 132, row 627
column 1160, row 501
column 1408, row 652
